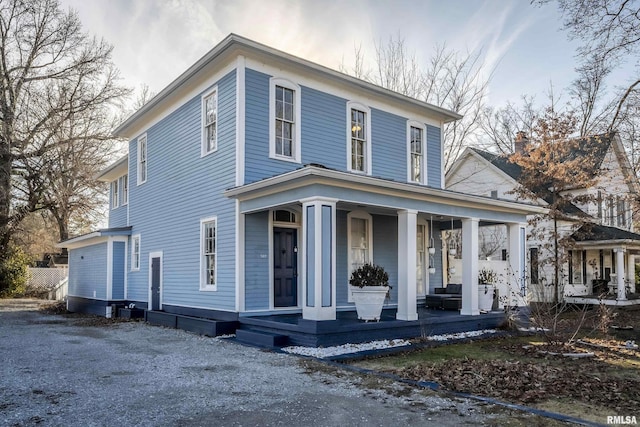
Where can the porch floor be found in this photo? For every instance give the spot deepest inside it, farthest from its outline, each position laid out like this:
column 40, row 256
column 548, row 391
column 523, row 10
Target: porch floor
column 348, row 329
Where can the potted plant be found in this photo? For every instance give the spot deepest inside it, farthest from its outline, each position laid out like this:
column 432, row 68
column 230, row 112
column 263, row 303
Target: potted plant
column 486, row 288
column 371, row 284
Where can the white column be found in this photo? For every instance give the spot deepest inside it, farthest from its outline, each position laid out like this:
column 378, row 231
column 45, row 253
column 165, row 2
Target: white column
column 516, row 280
column 470, row 267
column 631, row 275
column 319, row 259
column 407, row 245
column 621, row 274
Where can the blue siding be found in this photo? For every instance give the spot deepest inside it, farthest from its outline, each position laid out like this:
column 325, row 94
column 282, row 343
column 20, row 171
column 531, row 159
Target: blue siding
column 256, row 276
column 385, row 248
column 388, row 145
column 324, row 129
column 88, row 271
column 118, row 271
column 117, row 216
column 434, row 156
column 181, row 189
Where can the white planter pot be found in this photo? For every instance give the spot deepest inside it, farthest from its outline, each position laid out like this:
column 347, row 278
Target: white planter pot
column 369, row 301
column 485, row 297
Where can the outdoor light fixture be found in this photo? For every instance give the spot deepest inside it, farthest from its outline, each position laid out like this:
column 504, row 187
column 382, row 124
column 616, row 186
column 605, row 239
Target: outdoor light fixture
column 432, row 246
column 452, row 242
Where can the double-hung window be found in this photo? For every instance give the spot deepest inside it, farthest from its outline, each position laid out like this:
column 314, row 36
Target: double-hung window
column 135, row 252
column 142, row 159
column 208, row 250
column 125, row 189
column 115, row 194
column 416, row 147
column 209, row 123
column 284, row 112
column 359, row 138
column 360, row 240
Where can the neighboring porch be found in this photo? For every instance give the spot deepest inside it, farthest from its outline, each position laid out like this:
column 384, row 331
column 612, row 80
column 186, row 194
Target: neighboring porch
column 602, row 268
column 342, row 220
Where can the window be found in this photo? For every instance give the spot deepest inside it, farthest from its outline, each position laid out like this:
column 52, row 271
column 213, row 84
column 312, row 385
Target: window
column 359, row 138
column 135, row 252
column 359, row 241
column 284, row 216
column 142, row 159
column 209, row 123
column 421, row 259
column 284, row 114
column 622, row 212
column 599, row 203
column 577, row 267
column 125, row 189
column 416, row 153
column 115, row 200
column 208, row 254
column 533, row 263
column 612, row 218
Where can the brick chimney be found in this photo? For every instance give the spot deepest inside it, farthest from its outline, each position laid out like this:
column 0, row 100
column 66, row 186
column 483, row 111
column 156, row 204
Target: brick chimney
column 521, row 142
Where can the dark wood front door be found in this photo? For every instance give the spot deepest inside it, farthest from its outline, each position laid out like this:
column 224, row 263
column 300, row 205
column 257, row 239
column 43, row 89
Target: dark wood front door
column 155, row 283
column 285, row 267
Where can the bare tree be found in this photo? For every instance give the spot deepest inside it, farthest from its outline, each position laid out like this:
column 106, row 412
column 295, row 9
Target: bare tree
column 454, row 81
column 50, row 72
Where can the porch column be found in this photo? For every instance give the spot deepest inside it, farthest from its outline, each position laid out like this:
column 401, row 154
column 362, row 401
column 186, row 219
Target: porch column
column 407, row 246
column 516, row 281
column 631, row 272
column 319, row 259
column 621, row 274
column 470, row 267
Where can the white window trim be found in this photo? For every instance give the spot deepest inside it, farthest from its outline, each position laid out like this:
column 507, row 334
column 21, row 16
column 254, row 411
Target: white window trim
column 133, row 254
column 423, row 172
column 361, row 107
column 203, row 118
column 427, row 238
column 369, row 218
column 297, row 142
column 205, row 287
column 146, row 165
column 124, row 189
column 115, row 193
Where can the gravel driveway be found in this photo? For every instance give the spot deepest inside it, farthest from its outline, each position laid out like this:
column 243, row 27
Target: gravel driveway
column 58, row 370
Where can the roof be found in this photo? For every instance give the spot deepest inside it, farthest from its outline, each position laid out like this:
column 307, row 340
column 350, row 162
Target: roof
column 244, row 46
column 114, row 170
column 597, row 233
column 94, row 237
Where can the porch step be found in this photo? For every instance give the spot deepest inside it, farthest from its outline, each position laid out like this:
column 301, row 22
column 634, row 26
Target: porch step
column 198, row 325
column 261, row 338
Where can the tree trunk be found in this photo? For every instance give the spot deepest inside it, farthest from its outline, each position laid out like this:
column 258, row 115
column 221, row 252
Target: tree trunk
column 5, row 206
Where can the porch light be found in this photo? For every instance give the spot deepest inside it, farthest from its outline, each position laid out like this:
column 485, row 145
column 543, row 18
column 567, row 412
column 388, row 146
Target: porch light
column 432, row 269
column 452, row 243
column 452, row 270
column 432, row 246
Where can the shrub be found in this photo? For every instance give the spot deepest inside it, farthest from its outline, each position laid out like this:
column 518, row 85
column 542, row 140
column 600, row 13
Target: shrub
column 369, row 275
column 13, row 272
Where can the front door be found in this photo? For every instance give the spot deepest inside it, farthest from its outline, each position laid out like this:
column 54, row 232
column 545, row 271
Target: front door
column 155, row 283
column 285, row 267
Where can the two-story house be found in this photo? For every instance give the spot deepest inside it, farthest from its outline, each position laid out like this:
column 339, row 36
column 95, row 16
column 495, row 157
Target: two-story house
column 598, row 247
column 257, row 181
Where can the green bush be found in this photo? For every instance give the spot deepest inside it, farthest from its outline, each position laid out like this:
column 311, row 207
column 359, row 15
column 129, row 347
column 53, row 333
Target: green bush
column 13, row 272
column 369, row 275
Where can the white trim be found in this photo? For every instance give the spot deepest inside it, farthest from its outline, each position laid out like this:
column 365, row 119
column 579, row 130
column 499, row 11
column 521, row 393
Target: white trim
column 133, row 245
column 157, row 254
column 423, row 172
column 374, row 100
column 202, row 285
column 139, row 180
column 296, row 226
column 442, row 171
column 355, row 105
column 297, row 143
column 427, row 238
column 369, row 218
column 115, row 193
column 240, row 119
column 213, row 92
column 126, row 267
column 240, row 261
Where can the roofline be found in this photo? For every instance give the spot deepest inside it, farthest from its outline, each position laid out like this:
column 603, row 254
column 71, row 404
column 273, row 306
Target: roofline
column 89, row 238
column 319, row 172
column 104, row 175
column 616, row 242
column 234, row 40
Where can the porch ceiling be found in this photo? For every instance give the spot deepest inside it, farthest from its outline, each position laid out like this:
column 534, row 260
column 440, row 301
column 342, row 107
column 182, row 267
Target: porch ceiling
column 354, row 191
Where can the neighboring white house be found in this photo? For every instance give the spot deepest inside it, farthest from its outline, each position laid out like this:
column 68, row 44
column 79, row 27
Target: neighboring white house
column 604, row 248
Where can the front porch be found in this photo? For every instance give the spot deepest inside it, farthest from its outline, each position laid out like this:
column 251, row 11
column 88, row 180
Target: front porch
column 346, row 328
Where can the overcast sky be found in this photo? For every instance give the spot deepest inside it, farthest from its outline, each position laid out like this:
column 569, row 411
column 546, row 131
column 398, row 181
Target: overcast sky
column 156, row 40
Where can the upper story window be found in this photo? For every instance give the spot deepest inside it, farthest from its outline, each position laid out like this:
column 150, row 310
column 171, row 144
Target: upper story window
column 359, row 140
column 622, row 211
column 135, row 252
column 115, row 194
column 209, row 123
column 142, row 159
column 416, row 150
column 284, row 119
column 208, row 249
column 125, row 189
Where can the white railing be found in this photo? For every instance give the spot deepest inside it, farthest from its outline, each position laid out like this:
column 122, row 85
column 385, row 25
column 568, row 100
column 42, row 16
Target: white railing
column 48, row 281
